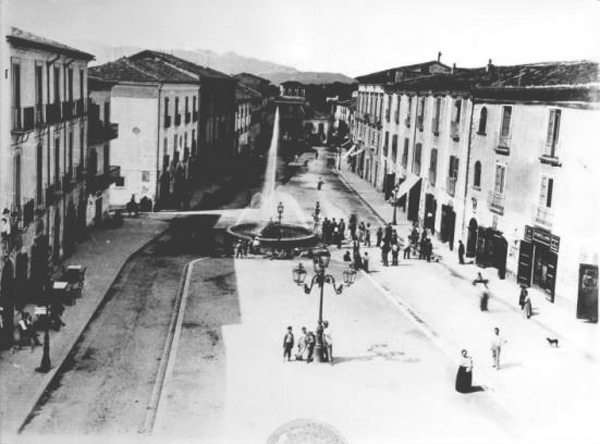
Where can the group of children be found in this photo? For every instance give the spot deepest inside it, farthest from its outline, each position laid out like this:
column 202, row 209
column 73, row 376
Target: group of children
column 307, row 343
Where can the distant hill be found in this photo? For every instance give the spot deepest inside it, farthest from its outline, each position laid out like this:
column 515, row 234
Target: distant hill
column 229, row 63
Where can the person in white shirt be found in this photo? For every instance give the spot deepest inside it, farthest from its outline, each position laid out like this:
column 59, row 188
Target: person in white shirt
column 496, row 347
column 328, row 341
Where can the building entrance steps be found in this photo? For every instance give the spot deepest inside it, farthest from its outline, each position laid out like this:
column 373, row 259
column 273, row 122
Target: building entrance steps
column 104, row 253
column 558, row 320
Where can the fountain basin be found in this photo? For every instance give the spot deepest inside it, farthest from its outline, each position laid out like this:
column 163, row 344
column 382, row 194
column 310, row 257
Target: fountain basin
column 275, row 236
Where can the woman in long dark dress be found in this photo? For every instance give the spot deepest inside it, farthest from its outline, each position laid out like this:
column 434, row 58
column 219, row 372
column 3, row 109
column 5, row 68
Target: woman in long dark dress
column 464, row 377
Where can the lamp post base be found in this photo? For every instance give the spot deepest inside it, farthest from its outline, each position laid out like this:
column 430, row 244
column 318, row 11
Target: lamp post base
column 45, row 365
column 318, row 356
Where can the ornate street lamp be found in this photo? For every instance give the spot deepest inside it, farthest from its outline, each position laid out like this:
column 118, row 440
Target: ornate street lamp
column 279, row 216
column 321, row 258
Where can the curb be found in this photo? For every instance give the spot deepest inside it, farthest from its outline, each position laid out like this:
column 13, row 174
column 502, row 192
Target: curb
column 347, row 184
column 61, row 359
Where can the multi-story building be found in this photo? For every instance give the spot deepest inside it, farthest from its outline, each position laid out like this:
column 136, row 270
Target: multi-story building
column 369, row 118
column 266, row 113
column 156, row 105
column 247, row 119
column 533, row 204
column 44, row 160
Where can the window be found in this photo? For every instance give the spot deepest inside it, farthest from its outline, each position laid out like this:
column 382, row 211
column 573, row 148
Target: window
column 417, row 160
column 506, row 115
column 482, row 121
column 81, row 84
column 385, row 144
column 165, row 146
column 435, row 124
column 500, row 178
column 457, row 110
column 477, row 175
column 388, row 107
column 394, row 147
column 70, row 156
column 397, row 113
column 421, row 113
column 453, row 167
column 433, row 166
column 166, row 109
column 16, row 82
column 546, row 192
column 39, row 173
column 56, row 84
column 553, row 132
column 39, row 85
column 120, row 182
column 405, row 153
column 145, row 176
column 70, row 84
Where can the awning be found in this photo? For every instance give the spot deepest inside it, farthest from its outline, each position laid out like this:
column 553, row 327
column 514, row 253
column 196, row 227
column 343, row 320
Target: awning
column 356, row 153
column 349, row 152
column 407, row 185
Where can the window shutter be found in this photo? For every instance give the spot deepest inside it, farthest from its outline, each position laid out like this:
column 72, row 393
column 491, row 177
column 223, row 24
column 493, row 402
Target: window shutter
column 549, row 193
column 506, row 113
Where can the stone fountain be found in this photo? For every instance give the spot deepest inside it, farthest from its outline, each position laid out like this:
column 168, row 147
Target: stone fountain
column 267, row 205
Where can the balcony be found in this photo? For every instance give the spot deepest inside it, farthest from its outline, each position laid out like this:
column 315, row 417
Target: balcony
column 503, row 147
column 451, row 185
column 39, row 115
column 99, row 132
column 455, row 131
column 23, row 119
column 114, row 173
column 420, row 120
column 549, row 156
column 496, row 202
column 67, row 110
column 177, row 119
column 543, row 216
column 53, row 113
column 79, row 108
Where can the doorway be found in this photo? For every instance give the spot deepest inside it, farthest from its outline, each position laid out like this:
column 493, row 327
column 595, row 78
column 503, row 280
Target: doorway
column 472, row 238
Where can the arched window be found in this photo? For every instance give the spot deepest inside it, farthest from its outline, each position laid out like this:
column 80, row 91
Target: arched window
column 477, row 175
column 482, row 120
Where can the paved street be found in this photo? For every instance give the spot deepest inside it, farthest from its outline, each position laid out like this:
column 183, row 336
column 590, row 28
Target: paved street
column 397, row 335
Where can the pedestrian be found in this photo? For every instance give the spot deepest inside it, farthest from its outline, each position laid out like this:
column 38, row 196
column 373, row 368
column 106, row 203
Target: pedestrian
column 422, row 248
column 328, row 342
column 407, row 249
column 394, row 238
column 347, row 256
column 368, row 235
column 464, row 376
column 461, row 253
column 56, row 311
column 27, row 332
column 387, row 234
column 365, row 262
column 301, row 345
column 320, row 183
column 496, row 347
column 379, row 236
column 361, row 232
column 385, row 250
column 527, row 306
column 325, row 230
column 352, row 226
column 245, row 247
column 414, row 236
column 395, row 251
column 484, row 295
column 288, row 344
column 311, row 340
column 522, row 296
column 428, row 249
column 239, row 249
column 256, row 245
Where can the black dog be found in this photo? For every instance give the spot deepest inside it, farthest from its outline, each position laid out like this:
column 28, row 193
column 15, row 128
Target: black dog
column 553, row 342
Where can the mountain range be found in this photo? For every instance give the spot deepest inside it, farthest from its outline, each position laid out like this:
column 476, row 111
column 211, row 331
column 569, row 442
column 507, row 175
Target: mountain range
column 228, row 63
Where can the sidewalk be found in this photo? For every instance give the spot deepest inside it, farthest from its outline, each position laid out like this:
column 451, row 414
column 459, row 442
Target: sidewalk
column 104, row 253
column 558, row 320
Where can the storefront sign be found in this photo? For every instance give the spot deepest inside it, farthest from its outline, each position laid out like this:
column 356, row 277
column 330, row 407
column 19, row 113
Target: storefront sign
column 542, row 237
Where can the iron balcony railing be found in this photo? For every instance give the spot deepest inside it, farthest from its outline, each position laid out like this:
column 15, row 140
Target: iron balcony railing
column 23, row 119
column 99, row 132
column 496, row 202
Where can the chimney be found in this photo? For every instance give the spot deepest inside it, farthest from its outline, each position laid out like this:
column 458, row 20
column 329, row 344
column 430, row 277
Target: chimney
column 439, row 55
column 489, row 66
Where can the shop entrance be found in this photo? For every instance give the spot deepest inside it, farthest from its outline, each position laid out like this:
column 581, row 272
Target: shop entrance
column 472, row 238
column 538, row 259
column 447, row 225
column 414, row 198
column 430, row 210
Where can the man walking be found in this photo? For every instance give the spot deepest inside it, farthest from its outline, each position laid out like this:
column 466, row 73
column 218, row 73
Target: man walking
column 328, row 342
column 311, row 340
column 461, row 253
column 496, row 347
column 288, row 344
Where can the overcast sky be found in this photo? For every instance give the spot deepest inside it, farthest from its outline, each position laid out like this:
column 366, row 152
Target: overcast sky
column 352, row 37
